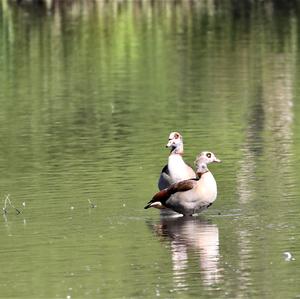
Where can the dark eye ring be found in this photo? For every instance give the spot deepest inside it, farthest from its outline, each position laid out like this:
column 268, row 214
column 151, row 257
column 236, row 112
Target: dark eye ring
column 208, row 155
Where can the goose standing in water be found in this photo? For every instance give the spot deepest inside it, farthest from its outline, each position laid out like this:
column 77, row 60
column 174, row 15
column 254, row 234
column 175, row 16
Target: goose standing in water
column 176, row 170
column 190, row 196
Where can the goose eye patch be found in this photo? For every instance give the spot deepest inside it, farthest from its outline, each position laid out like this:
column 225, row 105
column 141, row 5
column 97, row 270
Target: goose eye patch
column 208, row 155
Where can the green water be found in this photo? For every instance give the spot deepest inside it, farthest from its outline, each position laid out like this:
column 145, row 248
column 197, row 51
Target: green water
column 89, row 92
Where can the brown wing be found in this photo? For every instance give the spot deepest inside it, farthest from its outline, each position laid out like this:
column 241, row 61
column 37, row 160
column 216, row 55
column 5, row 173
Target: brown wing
column 181, row 186
column 163, row 195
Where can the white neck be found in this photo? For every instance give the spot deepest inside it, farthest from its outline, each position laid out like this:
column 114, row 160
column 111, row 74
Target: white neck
column 201, row 168
column 178, row 150
column 178, row 169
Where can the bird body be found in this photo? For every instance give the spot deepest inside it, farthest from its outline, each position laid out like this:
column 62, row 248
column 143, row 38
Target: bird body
column 202, row 194
column 176, row 170
column 190, row 196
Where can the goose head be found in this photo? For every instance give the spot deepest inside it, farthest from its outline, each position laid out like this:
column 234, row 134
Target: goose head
column 203, row 160
column 175, row 143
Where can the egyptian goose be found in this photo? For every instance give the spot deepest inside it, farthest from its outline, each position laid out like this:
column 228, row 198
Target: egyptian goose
column 190, row 196
column 176, row 170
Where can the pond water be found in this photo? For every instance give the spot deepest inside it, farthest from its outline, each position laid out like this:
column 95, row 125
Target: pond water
column 89, row 94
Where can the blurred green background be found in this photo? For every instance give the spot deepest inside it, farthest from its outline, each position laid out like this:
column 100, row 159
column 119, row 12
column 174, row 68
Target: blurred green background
column 89, row 92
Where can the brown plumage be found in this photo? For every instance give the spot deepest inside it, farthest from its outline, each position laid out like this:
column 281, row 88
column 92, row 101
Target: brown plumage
column 163, row 195
column 188, row 197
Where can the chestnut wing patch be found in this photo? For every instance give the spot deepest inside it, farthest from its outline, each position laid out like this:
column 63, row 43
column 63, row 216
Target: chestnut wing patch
column 181, row 186
column 163, row 195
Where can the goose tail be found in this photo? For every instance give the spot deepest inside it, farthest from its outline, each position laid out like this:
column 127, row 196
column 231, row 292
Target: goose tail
column 158, row 200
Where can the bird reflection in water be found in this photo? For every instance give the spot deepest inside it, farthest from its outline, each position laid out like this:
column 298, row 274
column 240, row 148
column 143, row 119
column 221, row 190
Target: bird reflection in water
column 191, row 238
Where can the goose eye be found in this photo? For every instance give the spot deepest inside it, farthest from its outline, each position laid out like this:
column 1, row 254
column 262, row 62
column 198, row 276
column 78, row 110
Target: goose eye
column 208, row 155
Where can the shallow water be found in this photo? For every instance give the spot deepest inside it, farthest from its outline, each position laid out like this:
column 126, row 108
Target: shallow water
column 89, row 94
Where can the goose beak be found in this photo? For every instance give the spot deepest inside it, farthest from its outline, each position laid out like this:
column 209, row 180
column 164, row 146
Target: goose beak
column 217, row 160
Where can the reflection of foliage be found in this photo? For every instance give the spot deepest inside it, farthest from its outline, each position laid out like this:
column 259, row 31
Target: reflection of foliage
column 121, row 50
column 89, row 90
column 85, row 63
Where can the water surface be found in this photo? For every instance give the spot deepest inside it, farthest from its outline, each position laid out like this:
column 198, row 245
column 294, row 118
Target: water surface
column 89, row 94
